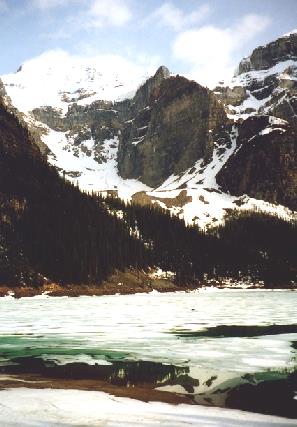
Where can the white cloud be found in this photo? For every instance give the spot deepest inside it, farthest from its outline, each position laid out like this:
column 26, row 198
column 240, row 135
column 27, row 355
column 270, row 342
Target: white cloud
column 88, row 13
column 171, row 16
column 108, row 12
column 210, row 50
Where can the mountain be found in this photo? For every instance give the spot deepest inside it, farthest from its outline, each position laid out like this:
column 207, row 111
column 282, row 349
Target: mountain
column 176, row 127
column 265, row 82
column 262, row 98
column 198, row 153
column 54, row 235
column 48, row 228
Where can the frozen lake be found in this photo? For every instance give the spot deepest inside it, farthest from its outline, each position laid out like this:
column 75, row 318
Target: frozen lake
column 173, row 328
column 200, row 344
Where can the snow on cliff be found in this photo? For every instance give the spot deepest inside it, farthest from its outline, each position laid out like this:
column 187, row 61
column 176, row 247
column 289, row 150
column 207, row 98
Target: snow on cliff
column 56, row 78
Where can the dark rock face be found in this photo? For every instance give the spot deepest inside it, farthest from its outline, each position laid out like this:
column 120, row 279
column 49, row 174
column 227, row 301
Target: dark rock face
column 275, row 88
column 143, row 94
column 264, row 57
column 169, row 124
column 100, row 120
column 2, row 90
column 265, row 164
column 100, row 113
column 14, row 130
column 169, row 134
column 234, row 96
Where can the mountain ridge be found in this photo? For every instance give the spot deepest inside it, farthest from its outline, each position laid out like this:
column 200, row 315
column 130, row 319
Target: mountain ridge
column 172, row 135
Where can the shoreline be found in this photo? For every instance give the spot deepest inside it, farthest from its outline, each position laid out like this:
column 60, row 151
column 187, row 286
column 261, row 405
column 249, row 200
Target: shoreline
column 98, row 346
column 75, row 291
column 144, row 393
column 132, row 282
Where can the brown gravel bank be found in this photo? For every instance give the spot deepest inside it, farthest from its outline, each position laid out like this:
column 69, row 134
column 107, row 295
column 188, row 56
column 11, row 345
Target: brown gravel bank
column 145, row 392
column 123, row 283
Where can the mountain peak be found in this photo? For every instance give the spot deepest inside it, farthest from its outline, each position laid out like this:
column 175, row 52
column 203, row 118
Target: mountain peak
column 263, row 57
column 144, row 92
column 290, row 33
column 58, row 79
column 163, row 72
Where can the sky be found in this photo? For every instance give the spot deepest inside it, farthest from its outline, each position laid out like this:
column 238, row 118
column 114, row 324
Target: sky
column 201, row 39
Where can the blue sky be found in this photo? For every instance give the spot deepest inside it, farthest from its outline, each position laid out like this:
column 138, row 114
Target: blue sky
column 203, row 39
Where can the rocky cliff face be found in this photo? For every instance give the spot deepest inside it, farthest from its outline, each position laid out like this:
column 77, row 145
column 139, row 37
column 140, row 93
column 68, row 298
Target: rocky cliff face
column 176, row 127
column 262, row 98
column 143, row 95
column 266, row 82
column 96, row 122
column 265, row 57
column 264, row 164
column 164, row 129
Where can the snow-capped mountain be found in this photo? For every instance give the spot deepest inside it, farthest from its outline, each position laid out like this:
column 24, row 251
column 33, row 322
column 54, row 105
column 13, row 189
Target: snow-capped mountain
column 198, row 153
column 262, row 99
column 60, row 80
column 63, row 99
column 265, row 82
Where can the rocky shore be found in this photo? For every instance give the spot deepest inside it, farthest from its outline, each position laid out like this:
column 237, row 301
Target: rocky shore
column 131, row 282
column 123, row 283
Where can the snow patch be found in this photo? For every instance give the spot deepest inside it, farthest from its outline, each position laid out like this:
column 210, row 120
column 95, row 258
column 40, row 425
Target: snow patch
column 158, row 273
column 32, row 407
column 91, row 175
column 268, row 130
column 245, row 79
column 58, row 79
column 276, row 121
column 209, row 204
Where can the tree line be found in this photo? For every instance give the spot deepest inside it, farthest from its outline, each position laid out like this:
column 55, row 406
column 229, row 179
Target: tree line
column 249, row 244
column 49, row 228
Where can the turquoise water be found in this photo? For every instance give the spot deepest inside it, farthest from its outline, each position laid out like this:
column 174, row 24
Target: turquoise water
column 178, row 329
column 229, row 348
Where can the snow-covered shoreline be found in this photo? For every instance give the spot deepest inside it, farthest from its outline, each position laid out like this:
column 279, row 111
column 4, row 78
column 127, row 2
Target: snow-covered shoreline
column 60, row 408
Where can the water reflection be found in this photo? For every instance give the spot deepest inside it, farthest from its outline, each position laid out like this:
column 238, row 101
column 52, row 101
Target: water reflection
column 270, row 392
column 220, row 348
